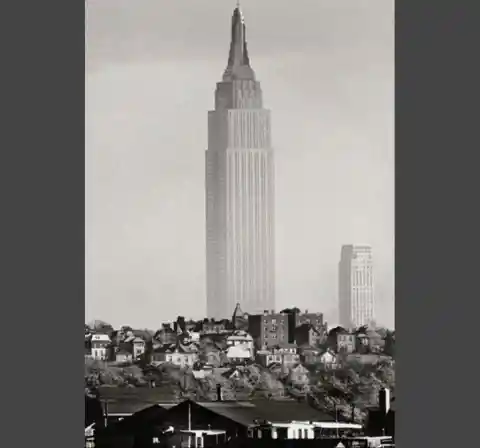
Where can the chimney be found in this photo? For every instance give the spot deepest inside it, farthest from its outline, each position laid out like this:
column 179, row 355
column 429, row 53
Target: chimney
column 273, row 311
column 265, row 312
column 219, row 392
column 306, row 311
column 384, row 400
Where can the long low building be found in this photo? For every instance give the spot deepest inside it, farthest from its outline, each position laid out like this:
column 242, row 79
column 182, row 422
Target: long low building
column 234, row 418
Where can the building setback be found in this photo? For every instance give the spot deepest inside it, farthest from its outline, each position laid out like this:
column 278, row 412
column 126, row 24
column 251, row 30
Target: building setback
column 239, row 190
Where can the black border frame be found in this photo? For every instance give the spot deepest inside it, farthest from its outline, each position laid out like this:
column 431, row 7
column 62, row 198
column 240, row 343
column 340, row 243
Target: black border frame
column 43, row 221
column 436, row 134
column 43, row 245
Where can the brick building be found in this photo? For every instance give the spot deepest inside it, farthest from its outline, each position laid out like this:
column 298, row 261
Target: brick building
column 270, row 328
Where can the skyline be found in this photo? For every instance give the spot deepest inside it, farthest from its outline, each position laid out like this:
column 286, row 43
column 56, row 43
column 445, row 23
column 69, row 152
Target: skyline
column 356, row 286
column 327, row 74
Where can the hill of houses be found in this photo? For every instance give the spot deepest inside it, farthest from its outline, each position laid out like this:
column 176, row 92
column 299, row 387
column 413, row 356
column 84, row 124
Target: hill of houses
column 290, row 354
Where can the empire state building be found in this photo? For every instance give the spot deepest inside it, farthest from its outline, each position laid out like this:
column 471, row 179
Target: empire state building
column 239, row 190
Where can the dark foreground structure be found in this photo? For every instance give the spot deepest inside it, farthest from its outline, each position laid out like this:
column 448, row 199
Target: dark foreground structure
column 165, row 426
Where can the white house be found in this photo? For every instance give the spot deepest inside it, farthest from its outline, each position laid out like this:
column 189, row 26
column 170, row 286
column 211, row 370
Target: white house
column 100, row 343
column 286, row 355
column 239, row 353
column 241, row 338
column 328, row 359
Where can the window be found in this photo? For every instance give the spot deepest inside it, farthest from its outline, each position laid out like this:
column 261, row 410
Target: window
column 274, row 321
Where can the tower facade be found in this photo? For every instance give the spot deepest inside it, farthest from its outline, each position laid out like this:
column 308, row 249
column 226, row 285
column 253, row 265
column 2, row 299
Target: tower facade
column 239, row 190
column 356, row 286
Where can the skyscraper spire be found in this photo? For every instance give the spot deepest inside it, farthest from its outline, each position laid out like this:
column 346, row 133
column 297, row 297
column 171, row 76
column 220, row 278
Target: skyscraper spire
column 238, row 61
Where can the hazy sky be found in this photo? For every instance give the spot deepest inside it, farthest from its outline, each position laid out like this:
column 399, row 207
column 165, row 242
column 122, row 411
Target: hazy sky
column 327, row 73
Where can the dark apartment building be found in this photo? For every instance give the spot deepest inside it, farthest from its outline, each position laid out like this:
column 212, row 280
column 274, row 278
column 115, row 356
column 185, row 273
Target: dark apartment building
column 271, row 328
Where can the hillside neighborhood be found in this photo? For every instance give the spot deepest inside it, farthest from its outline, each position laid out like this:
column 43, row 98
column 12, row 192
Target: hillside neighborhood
column 276, row 356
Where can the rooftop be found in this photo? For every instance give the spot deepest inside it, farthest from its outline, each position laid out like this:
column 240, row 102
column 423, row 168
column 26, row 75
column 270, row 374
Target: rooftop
column 100, row 338
column 281, row 411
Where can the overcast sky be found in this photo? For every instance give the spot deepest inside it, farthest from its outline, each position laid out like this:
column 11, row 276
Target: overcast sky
column 327, row 73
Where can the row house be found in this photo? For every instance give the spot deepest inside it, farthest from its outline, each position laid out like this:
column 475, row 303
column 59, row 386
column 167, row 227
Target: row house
column 179, row 355
column 285, row 354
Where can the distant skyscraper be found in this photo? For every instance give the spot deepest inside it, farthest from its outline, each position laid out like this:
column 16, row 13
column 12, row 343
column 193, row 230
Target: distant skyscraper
column 239, row 190
column 356, row 286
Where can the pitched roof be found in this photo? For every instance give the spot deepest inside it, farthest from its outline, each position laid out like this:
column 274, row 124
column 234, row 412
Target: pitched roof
column 127, row 400
column 100, row 338
column 238, row 351
column 141, row 418
column 276, row 411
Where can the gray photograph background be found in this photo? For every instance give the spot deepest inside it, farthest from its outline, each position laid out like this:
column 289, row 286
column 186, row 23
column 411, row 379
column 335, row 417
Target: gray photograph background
column 327, row 72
